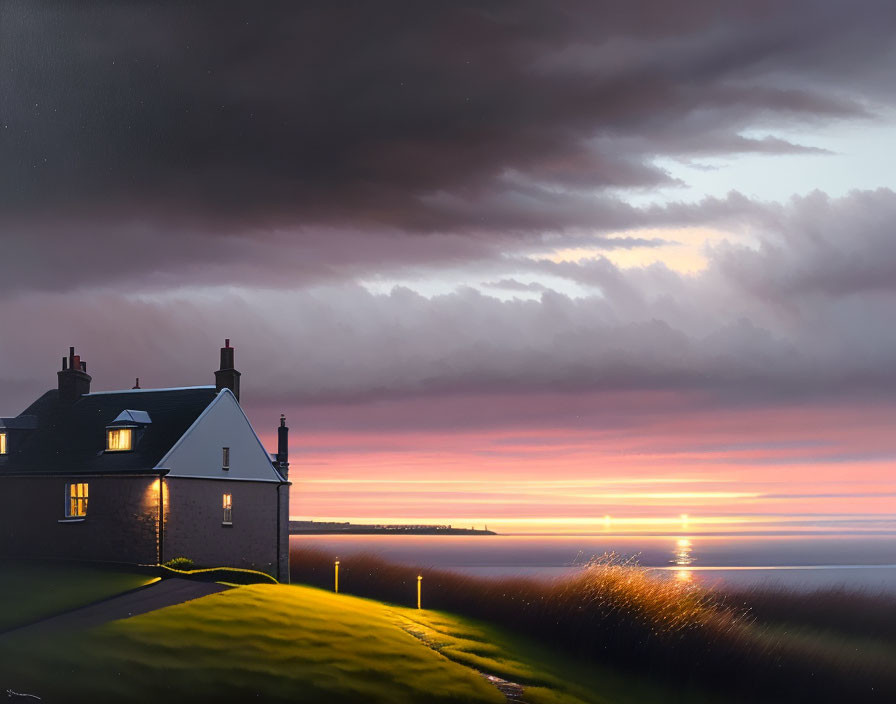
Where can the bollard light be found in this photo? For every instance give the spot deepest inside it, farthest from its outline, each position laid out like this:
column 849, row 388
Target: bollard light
column 419, row 582
column 336, row 577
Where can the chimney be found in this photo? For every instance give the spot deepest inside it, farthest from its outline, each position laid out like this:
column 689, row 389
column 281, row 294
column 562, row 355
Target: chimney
column 227, row 377
column 283, row 448
column 74, row 381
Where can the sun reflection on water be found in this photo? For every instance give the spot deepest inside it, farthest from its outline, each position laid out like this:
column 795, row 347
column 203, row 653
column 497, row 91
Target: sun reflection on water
column 683, row 557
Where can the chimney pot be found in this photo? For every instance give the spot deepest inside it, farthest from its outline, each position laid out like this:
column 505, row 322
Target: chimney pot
column 73, row 380
column 227, row 377
column 283, row 448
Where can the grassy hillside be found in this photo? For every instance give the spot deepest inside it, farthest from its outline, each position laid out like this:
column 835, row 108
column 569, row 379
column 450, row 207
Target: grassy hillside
column 297, row 644
column 754, row 646
column 611, row 635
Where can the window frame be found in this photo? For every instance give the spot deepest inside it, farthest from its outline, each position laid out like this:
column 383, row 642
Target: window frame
column 225, row 459
column 119, row 429
column 4, row 444
column 75, row 500
column 227, row 503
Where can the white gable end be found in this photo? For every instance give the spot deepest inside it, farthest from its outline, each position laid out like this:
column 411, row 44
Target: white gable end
column 199, row 453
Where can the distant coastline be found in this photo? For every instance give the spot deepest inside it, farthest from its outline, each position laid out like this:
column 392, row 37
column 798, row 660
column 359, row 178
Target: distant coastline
column 346, row 528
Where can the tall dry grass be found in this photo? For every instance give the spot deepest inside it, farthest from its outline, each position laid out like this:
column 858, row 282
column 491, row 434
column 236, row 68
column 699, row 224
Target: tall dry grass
column 839, row 610
column 620, row 614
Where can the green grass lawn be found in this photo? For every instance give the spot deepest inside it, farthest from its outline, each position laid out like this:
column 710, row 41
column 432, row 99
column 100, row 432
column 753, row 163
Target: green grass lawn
column 298, row 644
column 32, row 591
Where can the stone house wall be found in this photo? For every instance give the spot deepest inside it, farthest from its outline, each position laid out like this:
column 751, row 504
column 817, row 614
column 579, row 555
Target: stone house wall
column 194, row 525
column 121, row 524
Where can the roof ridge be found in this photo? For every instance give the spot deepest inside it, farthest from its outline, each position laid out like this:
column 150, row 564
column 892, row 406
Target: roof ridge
column 143, row 391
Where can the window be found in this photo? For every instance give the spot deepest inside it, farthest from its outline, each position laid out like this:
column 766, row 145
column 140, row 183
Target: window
column 225, row 458
column 76, row 501
column 228, row 509
column 2, row 443
column 119, row 439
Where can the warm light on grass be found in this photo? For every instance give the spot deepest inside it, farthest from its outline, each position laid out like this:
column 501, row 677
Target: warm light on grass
column 304, row 645
column 272, row 643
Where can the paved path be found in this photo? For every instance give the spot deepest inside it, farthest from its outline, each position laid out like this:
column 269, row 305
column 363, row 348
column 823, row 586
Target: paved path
column 512, row 691
column 167, row 592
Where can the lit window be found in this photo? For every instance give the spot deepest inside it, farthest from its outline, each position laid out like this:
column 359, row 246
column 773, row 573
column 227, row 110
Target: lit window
column 76, row 501
column 225, row 458
column 118, row 439
column 228, row 508
column 2, row 443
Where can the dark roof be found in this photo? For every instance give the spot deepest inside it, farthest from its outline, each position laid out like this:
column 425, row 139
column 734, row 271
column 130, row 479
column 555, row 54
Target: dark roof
column 21, row 422
column 70, row 437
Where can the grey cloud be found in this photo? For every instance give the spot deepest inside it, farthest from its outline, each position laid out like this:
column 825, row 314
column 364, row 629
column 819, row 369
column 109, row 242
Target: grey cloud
column 819, row 245
column 646, row 330
column 514, row 285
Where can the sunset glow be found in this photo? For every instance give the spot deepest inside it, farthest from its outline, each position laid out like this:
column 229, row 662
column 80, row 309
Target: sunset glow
column 799, row 470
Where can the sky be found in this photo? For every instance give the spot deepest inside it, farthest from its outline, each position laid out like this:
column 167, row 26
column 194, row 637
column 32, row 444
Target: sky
column 543, row 266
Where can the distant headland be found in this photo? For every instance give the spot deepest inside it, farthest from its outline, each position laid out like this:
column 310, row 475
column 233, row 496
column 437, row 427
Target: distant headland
column 346, row 528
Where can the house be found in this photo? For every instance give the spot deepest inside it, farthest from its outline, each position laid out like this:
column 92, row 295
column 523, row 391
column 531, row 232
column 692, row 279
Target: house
column 141, row 476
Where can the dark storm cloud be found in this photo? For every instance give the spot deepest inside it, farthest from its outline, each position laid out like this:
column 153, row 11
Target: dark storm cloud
column 137, row 252
column 765, row 333
column 209, row 129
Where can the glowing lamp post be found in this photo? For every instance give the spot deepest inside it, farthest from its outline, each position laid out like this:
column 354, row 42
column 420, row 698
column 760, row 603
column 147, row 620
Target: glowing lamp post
column 419, row 582
column 336, row 577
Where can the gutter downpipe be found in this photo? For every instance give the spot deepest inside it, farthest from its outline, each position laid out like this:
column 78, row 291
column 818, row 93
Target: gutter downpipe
column 161, row 531
column 279, row 576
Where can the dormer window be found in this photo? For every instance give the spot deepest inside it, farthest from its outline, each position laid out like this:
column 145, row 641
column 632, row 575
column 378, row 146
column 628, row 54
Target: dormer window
column 119, row 439
column 123, row 433
column 2, row 443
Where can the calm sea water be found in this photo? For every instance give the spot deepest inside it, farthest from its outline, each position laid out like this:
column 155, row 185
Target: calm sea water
column 797, row 562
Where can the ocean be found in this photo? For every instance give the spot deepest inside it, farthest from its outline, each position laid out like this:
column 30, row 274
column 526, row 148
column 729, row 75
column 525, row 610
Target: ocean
column 801, row 562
